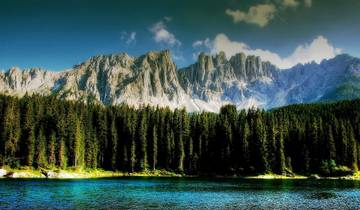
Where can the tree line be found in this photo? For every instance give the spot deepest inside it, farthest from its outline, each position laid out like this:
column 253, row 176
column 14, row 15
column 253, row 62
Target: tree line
column 44, row 132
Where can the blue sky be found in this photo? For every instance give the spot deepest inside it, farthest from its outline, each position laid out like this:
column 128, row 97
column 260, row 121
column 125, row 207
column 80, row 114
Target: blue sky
column 56, row 35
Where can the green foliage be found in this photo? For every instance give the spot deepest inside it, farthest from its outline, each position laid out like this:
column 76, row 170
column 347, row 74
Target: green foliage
column 45, row 132
column 79, row 152
column 348, row 90
column 40, row 151
column 329, row 168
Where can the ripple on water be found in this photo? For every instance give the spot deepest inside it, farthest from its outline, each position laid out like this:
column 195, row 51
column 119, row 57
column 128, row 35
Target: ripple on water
column 321, row 195
column 140, row 193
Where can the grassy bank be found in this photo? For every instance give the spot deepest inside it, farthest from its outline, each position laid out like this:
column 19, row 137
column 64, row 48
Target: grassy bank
column 80, row 173
column 98, row 173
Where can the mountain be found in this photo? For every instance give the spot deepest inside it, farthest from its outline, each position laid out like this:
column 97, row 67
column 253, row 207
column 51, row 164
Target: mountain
column 209, row 83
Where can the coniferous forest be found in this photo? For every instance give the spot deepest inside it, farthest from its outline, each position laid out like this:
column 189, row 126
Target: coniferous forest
column 44, row 132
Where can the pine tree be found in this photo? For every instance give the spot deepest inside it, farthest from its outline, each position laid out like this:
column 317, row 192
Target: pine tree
column 169, row 149
column 114, row 147
column 178, row 141
column 62, row 157
column 28, row 133
column 154, row 148
column 260, row 153
column 79, row 153
column 132, row 155
column 352, row 149
column 101, row 131
column 272, row 143
column 280, row 156
column 343, row 148
column 52, row 150
column 189, row 155
column 226, row 146
column 142, row 138
column 245, row 151
column 10, row 133
column 41, row 159
column 330, row 144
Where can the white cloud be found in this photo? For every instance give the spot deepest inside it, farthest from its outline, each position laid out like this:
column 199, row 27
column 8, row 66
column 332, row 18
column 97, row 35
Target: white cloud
column 168, row 19
column 259, row 15
column 129, row 38
column 262, row 14
column 206, row 42
column 178, row 57
column 295, row 3
column 317, row 50
column 162, row 35
column 308, row 3
column 290, row 3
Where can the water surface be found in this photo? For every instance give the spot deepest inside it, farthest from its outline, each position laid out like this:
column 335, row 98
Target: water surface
column 178, row 193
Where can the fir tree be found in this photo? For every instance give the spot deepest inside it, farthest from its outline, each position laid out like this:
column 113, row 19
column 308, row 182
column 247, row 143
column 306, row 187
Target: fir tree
column 41, row 159
column 79, row 154
column 280, row 156
column 52, row 150
column 154, row 148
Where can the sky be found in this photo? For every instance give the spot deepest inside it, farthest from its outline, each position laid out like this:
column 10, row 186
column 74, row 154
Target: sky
column 56, row 35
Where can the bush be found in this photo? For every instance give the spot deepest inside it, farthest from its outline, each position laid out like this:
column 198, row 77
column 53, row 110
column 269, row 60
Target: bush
column 343, row 171
column 329, row 168
column 324, row 168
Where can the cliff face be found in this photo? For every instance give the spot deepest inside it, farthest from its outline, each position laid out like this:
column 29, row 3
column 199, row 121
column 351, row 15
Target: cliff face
column 208, row 84
column 218, row 81
column 148, row 79
column 35, row 80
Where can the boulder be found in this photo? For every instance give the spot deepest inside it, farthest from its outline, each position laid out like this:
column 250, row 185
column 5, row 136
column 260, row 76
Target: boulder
column 314, row 176
column 51, row 175
column 24, row 174
column 3, row 172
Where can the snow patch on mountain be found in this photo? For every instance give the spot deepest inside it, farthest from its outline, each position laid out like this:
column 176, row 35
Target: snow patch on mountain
column 211, row 82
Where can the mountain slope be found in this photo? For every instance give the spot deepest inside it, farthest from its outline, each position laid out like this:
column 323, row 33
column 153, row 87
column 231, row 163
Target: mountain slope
column 206, row 85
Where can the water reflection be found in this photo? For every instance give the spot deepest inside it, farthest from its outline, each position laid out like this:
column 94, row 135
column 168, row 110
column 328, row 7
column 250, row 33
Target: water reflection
column 182, row 193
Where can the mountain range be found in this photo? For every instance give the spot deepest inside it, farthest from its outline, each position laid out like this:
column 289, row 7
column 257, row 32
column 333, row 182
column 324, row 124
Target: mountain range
column 206, row 85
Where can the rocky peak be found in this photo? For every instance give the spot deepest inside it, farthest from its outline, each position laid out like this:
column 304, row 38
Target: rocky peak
column 14, row 78
column 250, row 68
column 107, row 61
column 156, row 60
column 220, row 58
column 157, row 74
column 238, row 62
column 212, row 81
column 14, row 71
column 203, row 67
column 165, row 55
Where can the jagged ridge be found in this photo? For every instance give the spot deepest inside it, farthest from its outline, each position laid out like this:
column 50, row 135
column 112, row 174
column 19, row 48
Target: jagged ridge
column 208, row 84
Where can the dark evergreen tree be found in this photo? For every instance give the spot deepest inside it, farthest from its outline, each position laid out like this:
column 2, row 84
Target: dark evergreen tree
column 280, row 156
column 154, row 148
column 28, row 133
column 40, row 151
column 52, row 150
column 45, row 132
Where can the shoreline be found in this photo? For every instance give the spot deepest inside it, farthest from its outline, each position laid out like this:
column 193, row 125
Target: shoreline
column 93, row 174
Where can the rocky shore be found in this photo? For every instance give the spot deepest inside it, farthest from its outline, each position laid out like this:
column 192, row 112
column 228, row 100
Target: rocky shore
column 68, row 174
column 56, row 174
column 78, row 174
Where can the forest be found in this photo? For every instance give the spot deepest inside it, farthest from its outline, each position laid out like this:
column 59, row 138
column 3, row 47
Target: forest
column 45, row 132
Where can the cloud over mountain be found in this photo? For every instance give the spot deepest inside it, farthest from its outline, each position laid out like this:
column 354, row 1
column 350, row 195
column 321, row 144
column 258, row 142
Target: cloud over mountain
column 317, row 50
column 262, row 14
column 259, row 15
column 162, row 35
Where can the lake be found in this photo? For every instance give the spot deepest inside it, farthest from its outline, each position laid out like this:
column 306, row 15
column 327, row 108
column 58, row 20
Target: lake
column 178, row 193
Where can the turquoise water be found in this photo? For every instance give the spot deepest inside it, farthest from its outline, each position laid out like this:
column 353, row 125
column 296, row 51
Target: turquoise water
column 178, row 193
